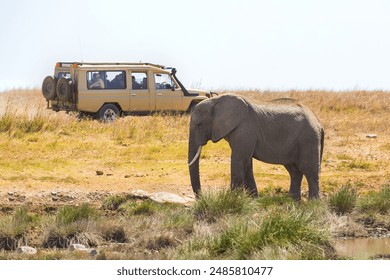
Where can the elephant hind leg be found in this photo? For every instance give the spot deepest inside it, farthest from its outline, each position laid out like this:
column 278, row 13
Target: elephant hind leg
column 314, row 189
column 295, row 181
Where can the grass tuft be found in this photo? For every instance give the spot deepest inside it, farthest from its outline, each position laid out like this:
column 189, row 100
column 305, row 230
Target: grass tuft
column 16, row 224
column 114, row 202
column 375, row 201
column 215, row 204
column 296, row 229
column 70, row 214
column 344, row 200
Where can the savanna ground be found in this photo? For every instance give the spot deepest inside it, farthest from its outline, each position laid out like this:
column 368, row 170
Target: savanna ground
column 49, row 166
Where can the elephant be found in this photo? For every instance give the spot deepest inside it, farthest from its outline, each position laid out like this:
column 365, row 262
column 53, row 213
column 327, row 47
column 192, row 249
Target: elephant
column 283, row 133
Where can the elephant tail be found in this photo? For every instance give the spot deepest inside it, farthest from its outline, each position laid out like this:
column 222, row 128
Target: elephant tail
column 322, row 143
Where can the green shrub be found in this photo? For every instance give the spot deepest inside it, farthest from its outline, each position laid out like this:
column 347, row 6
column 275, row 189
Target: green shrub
column 180, row 220
column 291, row 227
column 376, row 201
column 72, row 224
column 70, row 214
column 215, row 204
column 268, row 200
column 297, row 229
column 114, row 202
column 344, row 200
column 16, row 224
column 147, row 207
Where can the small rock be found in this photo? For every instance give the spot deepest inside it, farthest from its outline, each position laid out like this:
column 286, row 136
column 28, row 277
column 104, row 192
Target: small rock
column 109, row 174
column 371, row 136
column 99, row 173
column 93, row 252
column 163, row 197
column 139, row 194
column 27, row 250
column 81, row 247
column 77, row 247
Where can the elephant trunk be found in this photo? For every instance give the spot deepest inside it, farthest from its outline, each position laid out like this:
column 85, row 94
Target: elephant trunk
column 193, row 164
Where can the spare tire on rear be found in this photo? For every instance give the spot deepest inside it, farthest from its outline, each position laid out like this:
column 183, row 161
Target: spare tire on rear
column 49, row 86
column 64, row 89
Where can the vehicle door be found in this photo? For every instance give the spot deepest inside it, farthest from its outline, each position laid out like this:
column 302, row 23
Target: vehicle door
column 140, row 92
column 169, row 97
column 97, row 87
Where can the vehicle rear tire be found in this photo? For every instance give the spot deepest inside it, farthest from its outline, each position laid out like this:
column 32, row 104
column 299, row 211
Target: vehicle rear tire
column 108, row 113
column 49, row 86
column 64, row 89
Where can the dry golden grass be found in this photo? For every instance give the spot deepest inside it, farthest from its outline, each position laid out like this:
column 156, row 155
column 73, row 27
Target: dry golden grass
column 43, row 151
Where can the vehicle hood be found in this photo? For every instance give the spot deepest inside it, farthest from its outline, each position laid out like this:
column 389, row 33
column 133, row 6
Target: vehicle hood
column 199, row 91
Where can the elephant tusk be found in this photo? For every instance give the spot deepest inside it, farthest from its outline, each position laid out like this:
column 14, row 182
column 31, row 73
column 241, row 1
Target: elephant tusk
column 196, row 156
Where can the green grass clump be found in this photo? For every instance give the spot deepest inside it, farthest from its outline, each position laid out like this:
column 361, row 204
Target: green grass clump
column 16, row 224
column 181, row 219
column 282, row 229
column 268, row 200
column 215, row 204
column 147, row 207
column 70, row 214
column 375, row 201
column 113, row 202
column 72, row 224
column 343, row 201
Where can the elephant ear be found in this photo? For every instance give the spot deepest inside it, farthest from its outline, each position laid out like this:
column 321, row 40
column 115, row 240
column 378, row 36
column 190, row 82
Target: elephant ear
column 229, row 112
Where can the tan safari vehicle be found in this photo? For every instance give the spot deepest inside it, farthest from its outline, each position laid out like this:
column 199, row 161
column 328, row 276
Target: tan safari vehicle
column 109, row 90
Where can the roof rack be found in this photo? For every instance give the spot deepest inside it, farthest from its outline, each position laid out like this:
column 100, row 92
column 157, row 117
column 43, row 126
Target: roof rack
column 66, row 64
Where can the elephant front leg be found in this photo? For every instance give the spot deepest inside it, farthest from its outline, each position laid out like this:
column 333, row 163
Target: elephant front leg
column 237, row 171
column 249, row 182
column 242, row 174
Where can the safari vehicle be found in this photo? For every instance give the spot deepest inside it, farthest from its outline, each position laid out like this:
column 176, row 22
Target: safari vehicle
column 109, row 90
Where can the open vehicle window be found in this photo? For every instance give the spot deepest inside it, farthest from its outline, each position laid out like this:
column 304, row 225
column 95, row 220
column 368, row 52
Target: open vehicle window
column 106, row 79
column 139, row 80
column 164, row 81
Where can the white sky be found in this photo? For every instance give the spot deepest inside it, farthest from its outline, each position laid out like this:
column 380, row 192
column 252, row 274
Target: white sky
column 221, row 44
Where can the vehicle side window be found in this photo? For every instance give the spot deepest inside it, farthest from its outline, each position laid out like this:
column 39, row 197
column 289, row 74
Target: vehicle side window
column 106, row 80
column 164, row 81
column 139, row 80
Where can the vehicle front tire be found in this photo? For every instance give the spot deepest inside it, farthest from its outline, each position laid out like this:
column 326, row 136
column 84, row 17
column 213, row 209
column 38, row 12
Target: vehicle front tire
column 108, row 113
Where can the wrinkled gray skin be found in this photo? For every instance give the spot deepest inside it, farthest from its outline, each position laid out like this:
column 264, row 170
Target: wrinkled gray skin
column 277, row 133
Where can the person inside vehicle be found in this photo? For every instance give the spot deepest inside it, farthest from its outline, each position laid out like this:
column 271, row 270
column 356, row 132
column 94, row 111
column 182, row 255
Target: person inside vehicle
column 135, row 85
column 118, row 82
column 97, row 82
